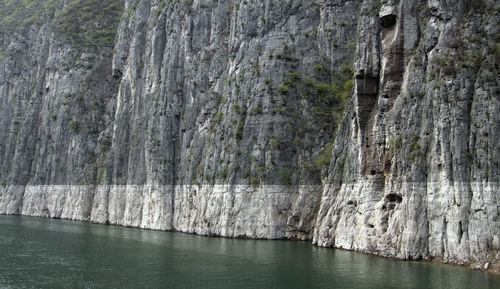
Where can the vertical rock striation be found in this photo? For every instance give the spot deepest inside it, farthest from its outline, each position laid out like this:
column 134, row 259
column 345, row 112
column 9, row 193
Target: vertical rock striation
column 415, row 162
column 210, row 118
column 227, row 118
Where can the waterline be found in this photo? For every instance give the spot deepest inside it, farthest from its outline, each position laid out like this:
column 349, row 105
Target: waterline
column 47, row 253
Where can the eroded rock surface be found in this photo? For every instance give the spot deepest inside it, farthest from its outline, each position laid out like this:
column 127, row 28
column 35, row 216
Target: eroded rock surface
column 227, row 118
column 416, row 170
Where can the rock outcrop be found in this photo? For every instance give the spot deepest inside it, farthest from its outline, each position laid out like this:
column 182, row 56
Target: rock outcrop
column 365, row 125
column 415, row 162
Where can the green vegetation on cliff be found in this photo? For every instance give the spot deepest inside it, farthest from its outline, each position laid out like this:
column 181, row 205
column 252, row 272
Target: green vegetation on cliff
column 90, row 23
column 328, row 91
column 16, row 14
column 83, row 23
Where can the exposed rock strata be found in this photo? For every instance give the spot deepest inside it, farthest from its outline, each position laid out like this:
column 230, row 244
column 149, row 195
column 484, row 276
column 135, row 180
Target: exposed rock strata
column 415, row 171
column 212, row 117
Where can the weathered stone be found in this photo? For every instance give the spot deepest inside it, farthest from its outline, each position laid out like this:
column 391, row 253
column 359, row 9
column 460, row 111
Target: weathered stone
column 208, row 117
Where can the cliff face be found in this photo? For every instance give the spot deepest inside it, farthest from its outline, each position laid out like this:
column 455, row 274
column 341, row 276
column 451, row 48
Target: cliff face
column 214, row 117
column 213, row 111
column 416, row 160
column 57, row 101
column 222, row 117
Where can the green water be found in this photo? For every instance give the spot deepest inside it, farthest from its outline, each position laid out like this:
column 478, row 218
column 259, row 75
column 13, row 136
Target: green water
column 45, row 253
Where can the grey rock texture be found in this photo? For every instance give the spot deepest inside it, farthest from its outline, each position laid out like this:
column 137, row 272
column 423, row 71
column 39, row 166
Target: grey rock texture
column 209, row 119
column 416, row 159
column 227, row 118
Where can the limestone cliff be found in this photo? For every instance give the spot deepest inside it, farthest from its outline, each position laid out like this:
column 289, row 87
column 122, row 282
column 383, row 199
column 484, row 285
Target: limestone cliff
column 365, row 125
column 415, row 170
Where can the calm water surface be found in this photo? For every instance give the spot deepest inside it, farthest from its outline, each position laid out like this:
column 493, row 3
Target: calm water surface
column 45, row 253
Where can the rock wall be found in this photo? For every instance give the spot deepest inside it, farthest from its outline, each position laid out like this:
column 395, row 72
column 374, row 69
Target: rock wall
column 365, row 125
column 416, row 160
column 56, row 100
column 212, row 117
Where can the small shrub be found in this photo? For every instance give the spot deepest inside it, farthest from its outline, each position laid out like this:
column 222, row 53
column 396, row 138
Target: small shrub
column 198, row 171
column 236, row 108
column 156, row 144
column 440, row 61
column 275, row 141
column 260, row 171
column 279, row 109
column 283, row 89
column 396, row 143
column 321, row 69
column 351, row 46
column 294, row 76
column 475, row 58
column 218, row 117
column 223, row 174
column 238, row 134
column 256, row 110
column 254, row 181
column 324, row 157
column 73, row 125
column 285, row 176
column 322, row 87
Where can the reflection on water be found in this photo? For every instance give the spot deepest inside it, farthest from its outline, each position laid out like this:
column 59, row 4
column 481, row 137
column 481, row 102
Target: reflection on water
column 44, row 253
